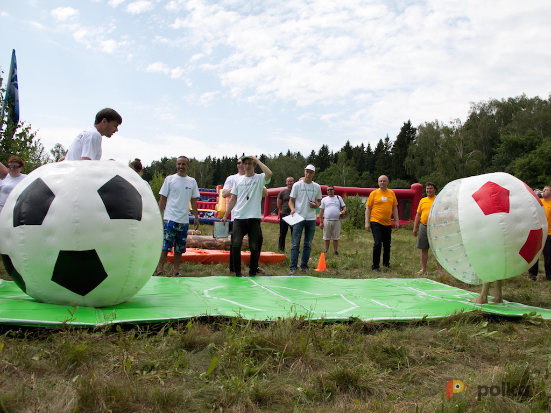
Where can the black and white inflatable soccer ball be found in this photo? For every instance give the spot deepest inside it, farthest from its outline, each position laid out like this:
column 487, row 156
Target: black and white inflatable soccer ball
column 87, row 233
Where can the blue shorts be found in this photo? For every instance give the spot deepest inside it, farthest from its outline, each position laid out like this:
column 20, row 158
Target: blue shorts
column 175, row 236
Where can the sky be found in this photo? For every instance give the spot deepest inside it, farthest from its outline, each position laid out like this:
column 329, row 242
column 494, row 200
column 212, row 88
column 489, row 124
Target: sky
column 222, row 78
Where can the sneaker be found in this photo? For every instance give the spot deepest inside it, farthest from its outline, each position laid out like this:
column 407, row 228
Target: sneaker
column 292, row 272
column 376, row 270
column 336, row 252
column 305, row 269
column 238, row 274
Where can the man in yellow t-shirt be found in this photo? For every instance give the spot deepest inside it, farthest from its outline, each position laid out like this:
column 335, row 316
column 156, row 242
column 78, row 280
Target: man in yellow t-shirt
column 421, row 221
column 546, row 201
column 380, row 206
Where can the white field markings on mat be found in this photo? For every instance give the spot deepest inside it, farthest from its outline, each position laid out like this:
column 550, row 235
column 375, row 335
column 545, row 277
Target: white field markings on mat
column 306, row 292
column 421, row 293
column 294, row 289
column 206, row 292
column 384, row 305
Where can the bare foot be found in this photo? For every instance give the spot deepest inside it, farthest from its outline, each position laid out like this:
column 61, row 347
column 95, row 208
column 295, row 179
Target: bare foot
column 496, row 300
column 420, row 272
column 480, row 300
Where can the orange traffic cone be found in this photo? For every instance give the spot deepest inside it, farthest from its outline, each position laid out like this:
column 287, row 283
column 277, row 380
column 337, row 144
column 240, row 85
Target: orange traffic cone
column 321, row 263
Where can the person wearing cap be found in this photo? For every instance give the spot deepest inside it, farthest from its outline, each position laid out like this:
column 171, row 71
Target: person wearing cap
column 380, row 206
column 304, row 199
column 245, row 202
column 230, row 182
column 331, row 209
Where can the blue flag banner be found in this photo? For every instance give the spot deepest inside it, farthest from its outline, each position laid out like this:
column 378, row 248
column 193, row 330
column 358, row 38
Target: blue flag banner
column 12, row 96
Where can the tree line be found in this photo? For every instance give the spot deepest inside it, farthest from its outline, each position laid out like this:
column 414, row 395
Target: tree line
column 511, row 135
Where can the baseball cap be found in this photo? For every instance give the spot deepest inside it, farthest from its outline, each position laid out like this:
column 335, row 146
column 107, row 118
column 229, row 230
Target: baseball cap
column 245, row 157
column 311, row 167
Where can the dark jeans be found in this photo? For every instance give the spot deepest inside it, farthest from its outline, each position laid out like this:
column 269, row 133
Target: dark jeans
column 283, row 228
column 242, row 227
column 309, row 227
column 382, row 234
column 546, row 261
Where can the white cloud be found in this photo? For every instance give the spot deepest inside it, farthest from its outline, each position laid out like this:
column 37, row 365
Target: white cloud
column 176, row 73
column 62, row 14
column 37, row 25
column 115, row 3
column 138, row 7
column 207, row 97
column 157, row 67
column 88, row 35
column 160, row 67
column 4, row 13
column 108, row 46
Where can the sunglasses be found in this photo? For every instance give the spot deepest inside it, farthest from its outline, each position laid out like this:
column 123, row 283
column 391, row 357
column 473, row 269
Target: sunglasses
column 14, row 166
column 330, row 189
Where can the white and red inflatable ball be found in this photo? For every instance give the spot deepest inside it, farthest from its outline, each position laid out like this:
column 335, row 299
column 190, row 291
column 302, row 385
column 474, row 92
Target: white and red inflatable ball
column 487, row 227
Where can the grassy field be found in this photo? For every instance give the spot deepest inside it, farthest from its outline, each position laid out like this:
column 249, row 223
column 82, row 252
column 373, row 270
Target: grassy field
column 290, row 365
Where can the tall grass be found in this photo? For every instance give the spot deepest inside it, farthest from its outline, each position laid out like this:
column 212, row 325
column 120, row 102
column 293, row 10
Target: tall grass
column 288, row 365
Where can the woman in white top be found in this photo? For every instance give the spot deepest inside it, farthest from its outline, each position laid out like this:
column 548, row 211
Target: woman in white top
column 10, row 177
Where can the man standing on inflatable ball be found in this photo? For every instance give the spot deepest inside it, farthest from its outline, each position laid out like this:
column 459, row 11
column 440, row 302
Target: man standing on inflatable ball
column 87, row 145
column 177, row 192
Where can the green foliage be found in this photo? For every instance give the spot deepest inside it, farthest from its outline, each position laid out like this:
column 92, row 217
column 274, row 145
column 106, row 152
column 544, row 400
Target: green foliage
column 400, row 151
column 57, row 152
column 342, row 173
column 399, row 184
column 355, row 206
column 498, row 135
column 156, row 183
column 23, row 143
column 534, row 168
column 166, row 166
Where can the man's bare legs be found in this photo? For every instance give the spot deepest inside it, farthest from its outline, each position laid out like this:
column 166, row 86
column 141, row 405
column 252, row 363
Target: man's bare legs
column 326, row 243
column 162, row 260
column 483, row 297
column 177, row 260
column 424, row 261
column 161, row 263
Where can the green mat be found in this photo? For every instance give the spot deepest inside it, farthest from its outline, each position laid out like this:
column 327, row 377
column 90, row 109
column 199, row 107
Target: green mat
column 262, row 298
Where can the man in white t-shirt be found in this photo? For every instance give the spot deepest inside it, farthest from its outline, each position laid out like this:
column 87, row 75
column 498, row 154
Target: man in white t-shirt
column 230, row 180
column 245, row 202
column 177, row 192
column 304, row 199
column 331, row 209
column 87, row 145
